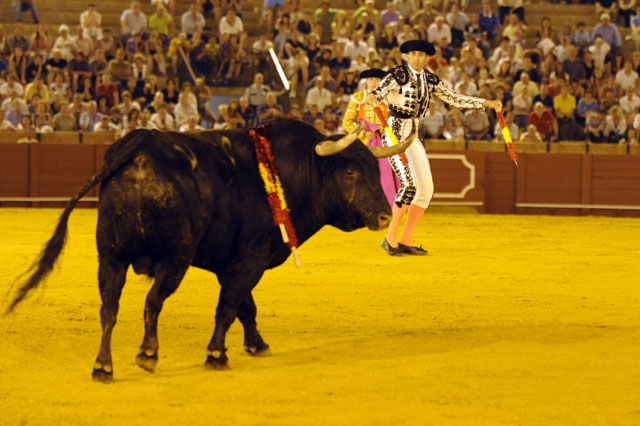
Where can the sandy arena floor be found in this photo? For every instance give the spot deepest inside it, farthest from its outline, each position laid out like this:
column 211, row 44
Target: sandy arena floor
column 511, row 320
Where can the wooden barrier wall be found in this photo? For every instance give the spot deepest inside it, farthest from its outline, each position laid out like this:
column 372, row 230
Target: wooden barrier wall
column 567, row 184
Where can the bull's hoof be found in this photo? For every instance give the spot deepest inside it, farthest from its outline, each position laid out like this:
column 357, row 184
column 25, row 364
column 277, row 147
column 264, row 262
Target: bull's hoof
column 146, row 362
column 102, row 373
column 261, row 350
column 217, row 360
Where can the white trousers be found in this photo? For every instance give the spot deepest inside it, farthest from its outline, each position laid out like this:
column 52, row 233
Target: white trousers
column 413, row 171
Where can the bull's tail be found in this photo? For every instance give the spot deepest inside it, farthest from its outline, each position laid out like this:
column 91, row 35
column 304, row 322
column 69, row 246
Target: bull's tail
column 45, row 262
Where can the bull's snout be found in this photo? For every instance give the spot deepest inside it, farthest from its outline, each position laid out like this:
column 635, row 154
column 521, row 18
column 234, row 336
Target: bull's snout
column 383, row 220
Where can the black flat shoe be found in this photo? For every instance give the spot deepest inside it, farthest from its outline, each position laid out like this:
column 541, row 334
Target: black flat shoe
column 413, row 250
column 391, row 251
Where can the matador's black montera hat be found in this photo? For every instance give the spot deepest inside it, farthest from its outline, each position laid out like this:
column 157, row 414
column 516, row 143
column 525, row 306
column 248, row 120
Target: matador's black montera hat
column 373, row 73
column 419, row 45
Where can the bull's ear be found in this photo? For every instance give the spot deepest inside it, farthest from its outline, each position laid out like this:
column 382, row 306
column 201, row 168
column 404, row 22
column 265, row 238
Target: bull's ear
column 329, row 147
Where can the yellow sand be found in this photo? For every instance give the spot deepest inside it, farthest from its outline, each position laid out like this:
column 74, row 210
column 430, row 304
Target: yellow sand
column 511, row 320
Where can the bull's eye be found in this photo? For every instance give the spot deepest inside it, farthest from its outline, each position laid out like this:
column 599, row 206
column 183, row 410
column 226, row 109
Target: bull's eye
column 351, row 172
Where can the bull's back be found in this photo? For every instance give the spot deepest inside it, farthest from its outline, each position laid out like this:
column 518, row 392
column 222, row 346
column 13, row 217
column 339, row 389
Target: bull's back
column 152, row 208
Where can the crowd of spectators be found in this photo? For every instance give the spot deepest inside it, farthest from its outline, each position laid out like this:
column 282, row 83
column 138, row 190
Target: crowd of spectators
column 160, row 71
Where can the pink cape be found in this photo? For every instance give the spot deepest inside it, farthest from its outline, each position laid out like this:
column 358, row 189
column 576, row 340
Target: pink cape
column 388, row 179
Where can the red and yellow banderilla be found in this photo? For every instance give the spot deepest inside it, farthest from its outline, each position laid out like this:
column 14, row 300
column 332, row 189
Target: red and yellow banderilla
column 507, row 137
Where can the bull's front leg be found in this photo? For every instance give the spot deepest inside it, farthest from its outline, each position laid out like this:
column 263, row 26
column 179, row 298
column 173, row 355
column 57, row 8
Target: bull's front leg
column 253, row 343
column 237, row 283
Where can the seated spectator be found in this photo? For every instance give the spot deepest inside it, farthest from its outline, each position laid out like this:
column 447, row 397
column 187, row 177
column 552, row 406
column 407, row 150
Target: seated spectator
column 515, row 30
column 109, row 89
column 388, row 39
column 18, row 39
column 248, row 112
column 574, row 66
column 191, row 125
column 433, row 123
column 609, row 33
column 615, row 126
column 489, row 21
column 454, row 129
column 627, row 76
column 4, row 123
column 586, row 104
column 319, row 125
column 522, row 106
column 439, row 30
column 80, row 71
column 18, row 64
column 193, row 20
column 128, row 103
column 11, row 87
column 425, row 14
column 41, row 119
column 630, row 104
column 544, row 121
column 119, row 68
column 162, row 22
column 131, row 123
column 64, row 120
column 564, row 106
column 90, row 118
column 476, row 125
column 162, row 120
column 37, row 87
column 390, row 16
column 66, row 43
column 329, row 82
column 91, row 22
column 270, row 110
column 105, row 126
column 457, row 21
column 581, row 37
column 525, row 81
column 319, row 95
column 107, row 44
column 341, row 28
column 133, row 21
column 531, row 135
column 408, row 33
column 311, row 114
column 20, row 6
column 30, row 136
column 356, row 47
column 36, row 68
column 59, row 86
column 257, row 92
column 184, row 111
column 41, row 41
column 544, row 96
column 15, row 109
column 231, row 24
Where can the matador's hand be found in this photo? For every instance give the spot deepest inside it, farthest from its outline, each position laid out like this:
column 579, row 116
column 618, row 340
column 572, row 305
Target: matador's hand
column 371, row 99
column 493, row 104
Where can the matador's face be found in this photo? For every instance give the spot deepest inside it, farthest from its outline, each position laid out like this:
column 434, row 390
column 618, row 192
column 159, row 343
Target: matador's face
column 417, row 60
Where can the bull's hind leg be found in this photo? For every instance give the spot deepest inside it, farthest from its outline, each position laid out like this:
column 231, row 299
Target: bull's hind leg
column 253, row 342
column 111, row 276
column 168, row 278
column 237, row 283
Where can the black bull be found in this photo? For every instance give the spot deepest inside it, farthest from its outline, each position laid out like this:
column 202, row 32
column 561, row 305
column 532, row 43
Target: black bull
column 169, row 201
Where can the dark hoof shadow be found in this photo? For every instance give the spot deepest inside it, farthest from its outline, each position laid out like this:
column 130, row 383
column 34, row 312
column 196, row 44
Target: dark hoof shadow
column 99, row 375
column 219, row 364
column 261, row 351
column 147, row 363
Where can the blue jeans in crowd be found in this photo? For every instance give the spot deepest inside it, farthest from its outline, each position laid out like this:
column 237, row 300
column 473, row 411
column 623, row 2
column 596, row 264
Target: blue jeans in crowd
column 20, row 7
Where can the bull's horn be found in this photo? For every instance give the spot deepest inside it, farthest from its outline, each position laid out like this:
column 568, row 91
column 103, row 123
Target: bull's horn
column 390, row 151
column 328, row 147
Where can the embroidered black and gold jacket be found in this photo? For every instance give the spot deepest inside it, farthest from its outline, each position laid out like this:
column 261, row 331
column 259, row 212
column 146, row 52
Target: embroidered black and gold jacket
column 405, row 92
